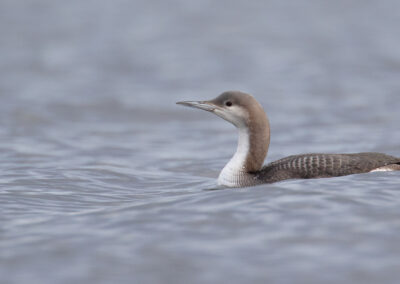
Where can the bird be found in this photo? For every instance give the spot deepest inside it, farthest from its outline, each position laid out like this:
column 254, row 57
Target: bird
column 246, row 168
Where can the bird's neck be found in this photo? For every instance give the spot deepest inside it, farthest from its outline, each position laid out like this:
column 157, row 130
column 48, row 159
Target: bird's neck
column 249, row 157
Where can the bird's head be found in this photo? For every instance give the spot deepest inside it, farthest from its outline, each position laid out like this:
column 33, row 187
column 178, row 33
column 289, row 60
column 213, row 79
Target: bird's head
column 236, row 107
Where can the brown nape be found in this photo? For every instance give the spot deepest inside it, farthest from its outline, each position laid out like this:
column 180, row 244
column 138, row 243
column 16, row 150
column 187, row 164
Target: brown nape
column 259, row 131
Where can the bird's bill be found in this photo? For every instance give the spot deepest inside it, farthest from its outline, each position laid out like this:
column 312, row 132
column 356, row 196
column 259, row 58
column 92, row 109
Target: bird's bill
column 204, row 105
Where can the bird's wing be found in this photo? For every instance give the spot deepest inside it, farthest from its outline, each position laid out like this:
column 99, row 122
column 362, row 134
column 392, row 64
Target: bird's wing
column 324, row 165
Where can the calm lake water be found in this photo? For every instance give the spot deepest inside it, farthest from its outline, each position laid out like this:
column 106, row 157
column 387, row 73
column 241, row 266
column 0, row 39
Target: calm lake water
column 103, row 179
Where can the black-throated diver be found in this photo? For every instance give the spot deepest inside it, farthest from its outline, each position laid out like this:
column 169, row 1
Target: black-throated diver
column 246, row 166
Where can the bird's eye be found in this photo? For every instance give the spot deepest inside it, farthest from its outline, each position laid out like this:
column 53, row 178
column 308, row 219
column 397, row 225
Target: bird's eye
column 228, row 103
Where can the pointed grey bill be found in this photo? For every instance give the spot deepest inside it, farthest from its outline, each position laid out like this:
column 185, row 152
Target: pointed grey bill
column 204, row 105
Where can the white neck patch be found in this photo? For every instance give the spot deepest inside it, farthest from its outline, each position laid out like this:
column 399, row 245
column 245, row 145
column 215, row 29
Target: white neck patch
column 234, row 170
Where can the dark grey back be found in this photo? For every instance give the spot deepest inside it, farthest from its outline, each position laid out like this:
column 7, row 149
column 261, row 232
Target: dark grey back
column 323, row 165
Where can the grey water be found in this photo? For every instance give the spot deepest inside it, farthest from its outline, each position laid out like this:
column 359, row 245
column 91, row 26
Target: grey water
column 103, row 179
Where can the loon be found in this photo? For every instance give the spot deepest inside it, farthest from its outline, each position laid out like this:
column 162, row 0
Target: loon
column 246, row 166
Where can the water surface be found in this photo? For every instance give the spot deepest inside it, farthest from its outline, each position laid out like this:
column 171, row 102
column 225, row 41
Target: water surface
column 103, row 179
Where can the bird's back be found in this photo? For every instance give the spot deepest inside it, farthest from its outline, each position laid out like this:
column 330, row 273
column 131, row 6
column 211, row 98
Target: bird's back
column 325, row 165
